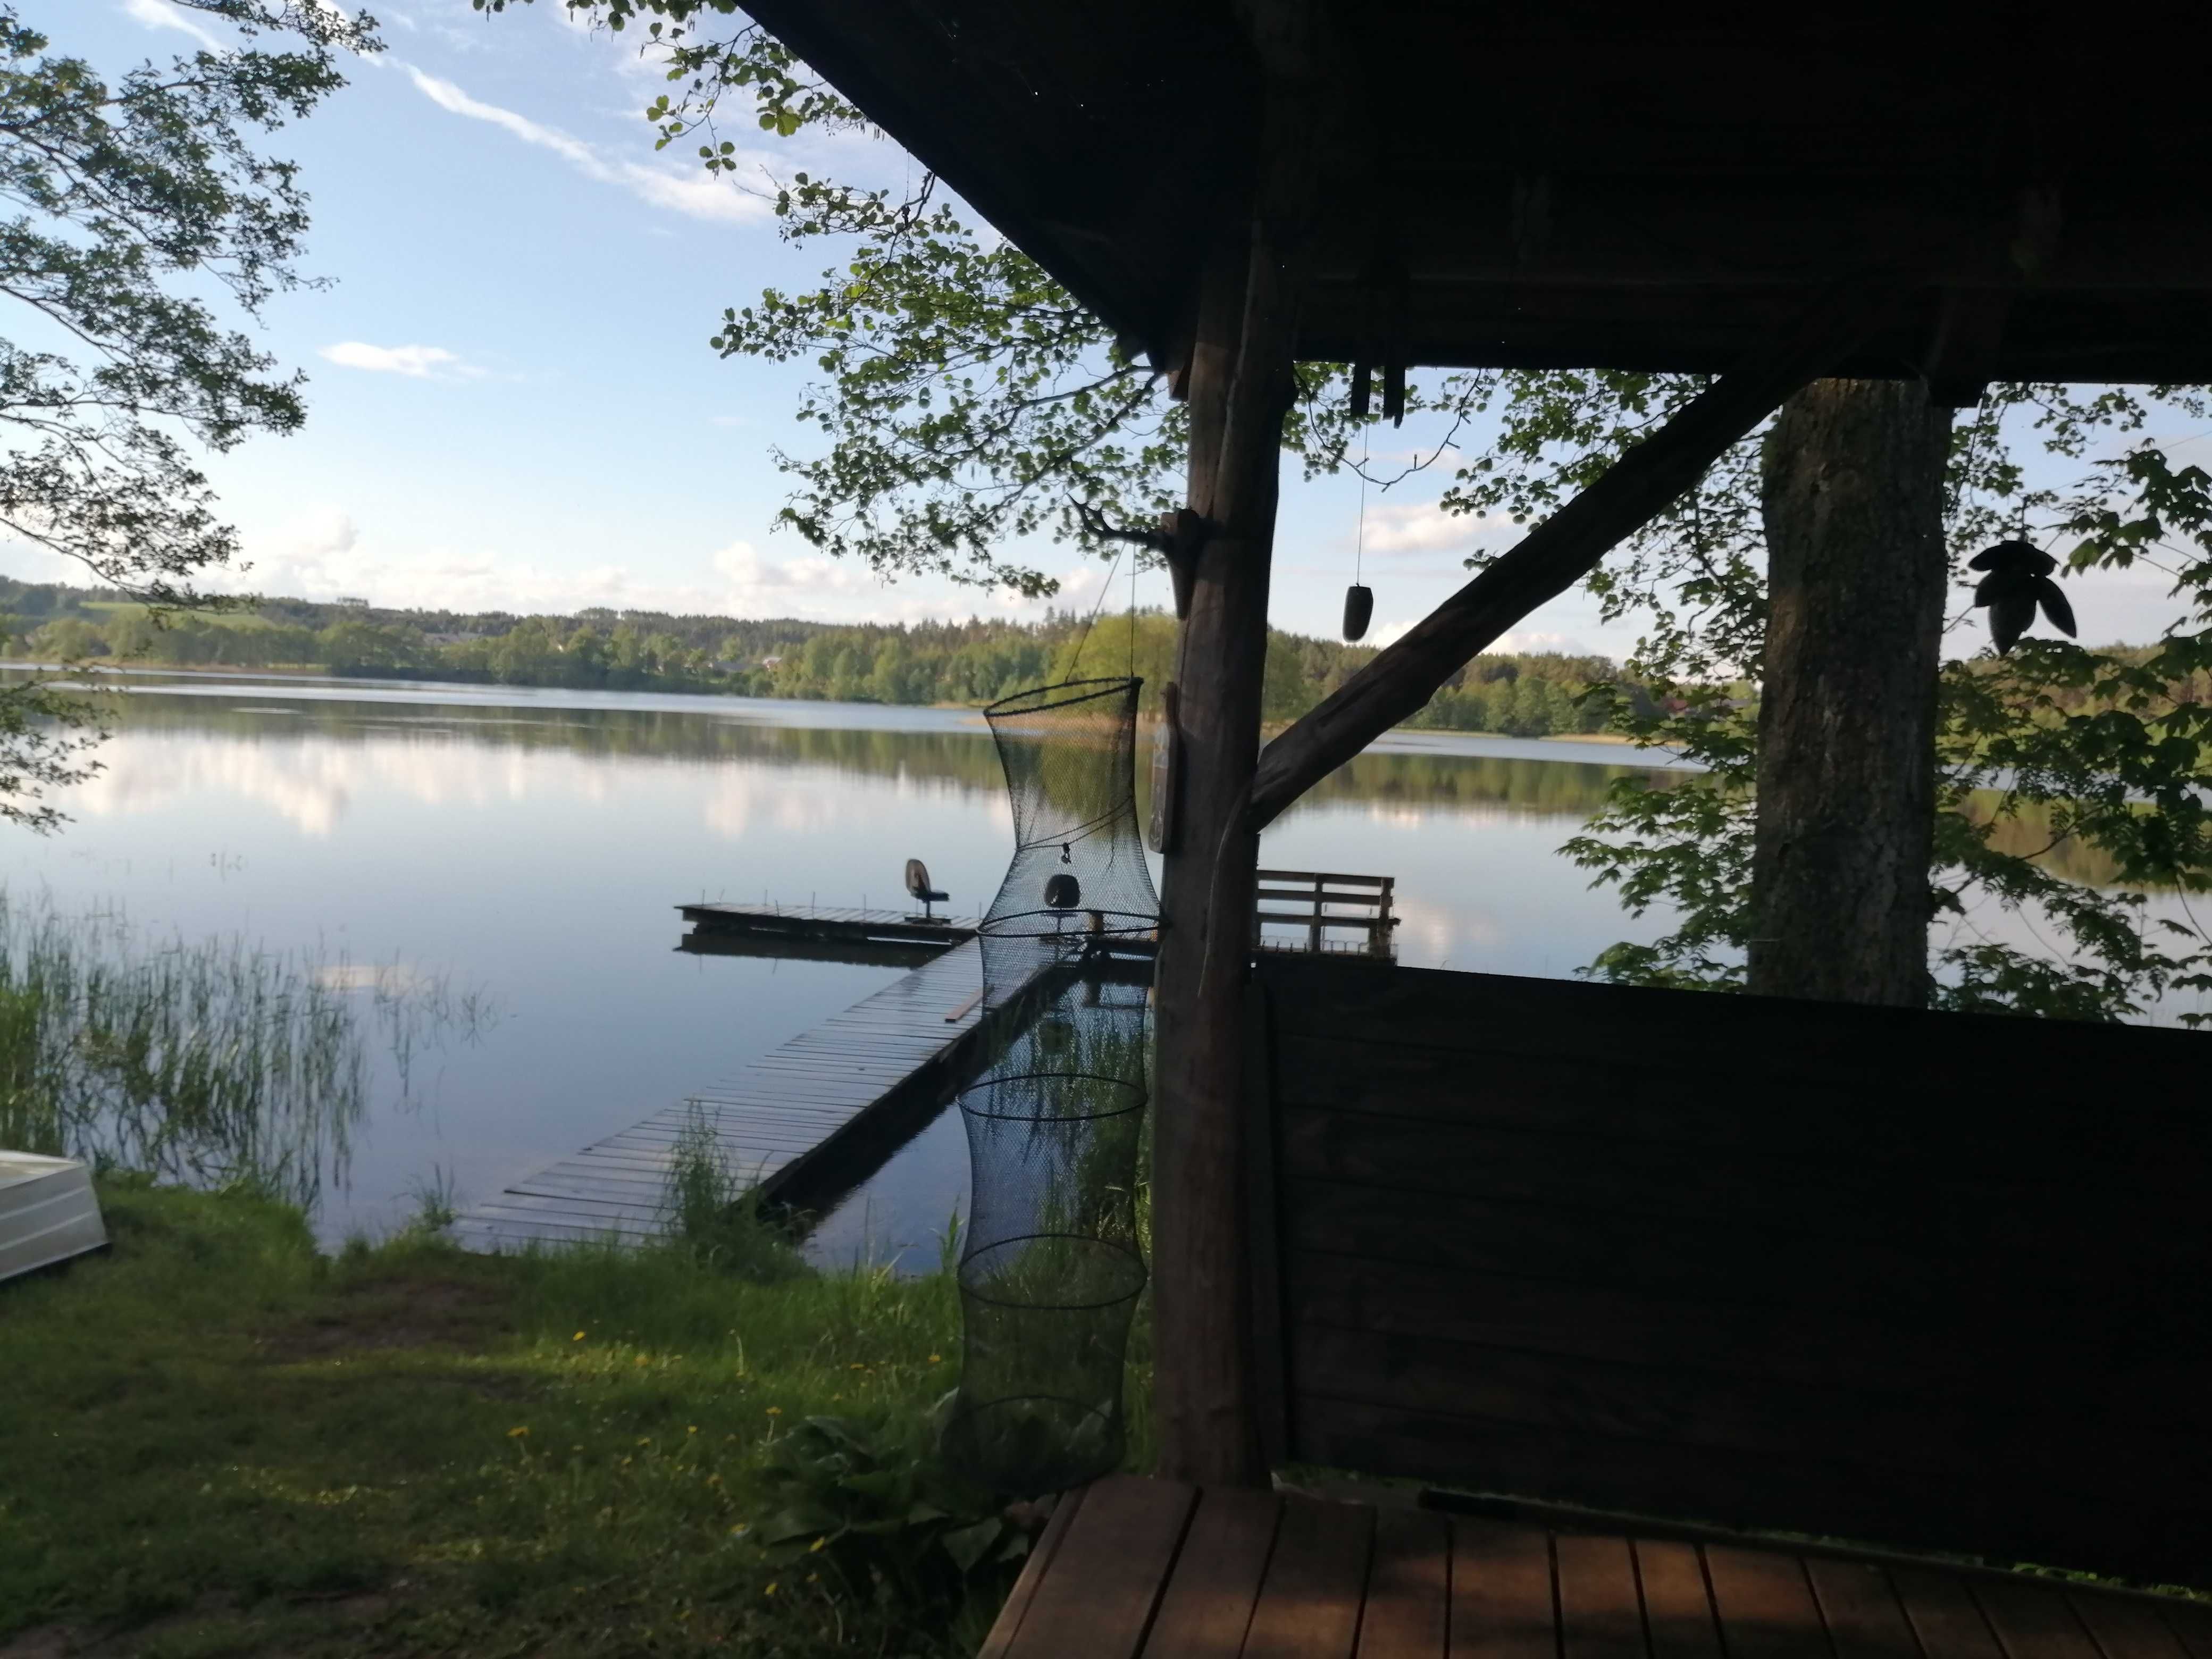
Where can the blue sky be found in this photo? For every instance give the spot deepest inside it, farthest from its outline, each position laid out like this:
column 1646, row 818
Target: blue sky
column 513, row 403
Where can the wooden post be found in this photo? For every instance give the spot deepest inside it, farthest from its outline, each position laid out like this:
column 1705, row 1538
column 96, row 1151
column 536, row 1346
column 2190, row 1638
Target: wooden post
column 1239, row 386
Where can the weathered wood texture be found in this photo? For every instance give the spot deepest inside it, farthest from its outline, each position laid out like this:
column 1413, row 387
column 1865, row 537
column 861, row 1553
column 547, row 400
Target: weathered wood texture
column 804, row 1120
column 1852, row 497
column 1921, row 1280
column 1557, row 554
column 1134, row 1569
column 1239, row 386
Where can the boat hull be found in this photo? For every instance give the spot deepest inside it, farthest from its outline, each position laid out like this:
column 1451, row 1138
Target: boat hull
column 48, row 1212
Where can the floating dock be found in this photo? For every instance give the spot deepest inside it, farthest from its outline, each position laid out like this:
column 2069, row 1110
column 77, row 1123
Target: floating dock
column 781, row 924
column 799, row 1119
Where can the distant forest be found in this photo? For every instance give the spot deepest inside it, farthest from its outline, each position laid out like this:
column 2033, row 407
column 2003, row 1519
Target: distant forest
column 968, row 663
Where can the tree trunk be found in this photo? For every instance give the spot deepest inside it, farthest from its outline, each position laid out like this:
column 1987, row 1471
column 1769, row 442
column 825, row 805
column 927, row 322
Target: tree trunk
column 1852, row 495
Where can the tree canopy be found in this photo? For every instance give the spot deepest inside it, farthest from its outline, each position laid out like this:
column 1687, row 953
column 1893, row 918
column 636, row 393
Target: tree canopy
column 136, row 208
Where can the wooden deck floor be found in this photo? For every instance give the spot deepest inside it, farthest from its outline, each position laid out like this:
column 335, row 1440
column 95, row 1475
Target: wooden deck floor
column 1133, row 1567
column 786, row 1112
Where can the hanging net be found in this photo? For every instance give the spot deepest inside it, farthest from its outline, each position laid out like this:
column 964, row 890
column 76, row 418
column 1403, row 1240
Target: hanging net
column 1051, row 1271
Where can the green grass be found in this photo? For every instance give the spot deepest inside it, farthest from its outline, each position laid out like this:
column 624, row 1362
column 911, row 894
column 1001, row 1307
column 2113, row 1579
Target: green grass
column 217, row 1440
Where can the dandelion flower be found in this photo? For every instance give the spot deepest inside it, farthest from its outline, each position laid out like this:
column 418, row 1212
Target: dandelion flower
column 739, row 1530
column 817, row 1545
column 934, row 1357
column 770, row 1590
column 775, row 1411
column 694, row 1429
column 517, row 1433
column 579, row 1337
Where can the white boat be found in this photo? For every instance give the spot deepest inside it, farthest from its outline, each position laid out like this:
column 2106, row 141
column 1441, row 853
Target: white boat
column 48, row 1212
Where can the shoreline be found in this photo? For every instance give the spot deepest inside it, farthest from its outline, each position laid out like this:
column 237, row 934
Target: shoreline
column 311, row 672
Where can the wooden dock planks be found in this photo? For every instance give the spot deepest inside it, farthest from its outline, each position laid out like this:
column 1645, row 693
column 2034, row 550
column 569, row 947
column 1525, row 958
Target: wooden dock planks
column 774, row 1119
column 1137, row 1568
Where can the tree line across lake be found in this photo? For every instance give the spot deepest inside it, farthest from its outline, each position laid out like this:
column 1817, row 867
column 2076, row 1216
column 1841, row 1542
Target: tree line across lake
column 971, row 663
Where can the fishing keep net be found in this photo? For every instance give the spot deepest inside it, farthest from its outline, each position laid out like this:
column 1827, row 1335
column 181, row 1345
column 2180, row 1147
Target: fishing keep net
column 1051, row 1269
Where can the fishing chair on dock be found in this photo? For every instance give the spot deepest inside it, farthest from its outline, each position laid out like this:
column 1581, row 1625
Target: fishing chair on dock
column 917, row 883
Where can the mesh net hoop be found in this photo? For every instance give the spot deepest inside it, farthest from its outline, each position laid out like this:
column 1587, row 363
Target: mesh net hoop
column 1051, row 1269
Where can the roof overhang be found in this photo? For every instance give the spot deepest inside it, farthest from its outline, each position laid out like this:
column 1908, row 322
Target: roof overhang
column 1580, row 184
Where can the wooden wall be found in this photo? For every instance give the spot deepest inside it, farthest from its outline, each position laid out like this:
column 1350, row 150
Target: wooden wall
column 1912, row 1279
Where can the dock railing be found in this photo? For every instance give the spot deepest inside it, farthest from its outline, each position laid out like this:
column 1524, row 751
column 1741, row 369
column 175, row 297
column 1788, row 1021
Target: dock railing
column 1319, row 903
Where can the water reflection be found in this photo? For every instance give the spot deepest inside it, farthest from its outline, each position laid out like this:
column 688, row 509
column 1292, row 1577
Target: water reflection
column 952, row 752
column 537, row 844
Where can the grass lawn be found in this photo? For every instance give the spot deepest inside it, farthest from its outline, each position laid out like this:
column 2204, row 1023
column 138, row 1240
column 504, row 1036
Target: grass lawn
column 217, row 1440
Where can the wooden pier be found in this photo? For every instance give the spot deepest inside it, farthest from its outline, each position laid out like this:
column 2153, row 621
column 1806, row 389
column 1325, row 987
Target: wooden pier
column 798, row 1118
column 813, row 924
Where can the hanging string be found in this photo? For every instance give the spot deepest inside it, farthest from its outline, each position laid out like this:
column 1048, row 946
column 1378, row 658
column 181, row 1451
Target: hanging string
column 1360, row 544
column 1105, row 588
column 1133, row 619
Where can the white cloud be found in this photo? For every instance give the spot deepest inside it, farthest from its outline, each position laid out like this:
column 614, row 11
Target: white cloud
column 417, row 363
column 319, row 533
column 160, row 15
column 1419, row 528
column 1536, row 642
column 692, row 192
column 1389, row 633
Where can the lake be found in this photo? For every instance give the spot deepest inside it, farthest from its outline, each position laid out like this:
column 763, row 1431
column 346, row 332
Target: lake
column 532, row 846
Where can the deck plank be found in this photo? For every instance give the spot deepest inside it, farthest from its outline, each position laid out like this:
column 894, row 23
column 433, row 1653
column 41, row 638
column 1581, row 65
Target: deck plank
column 1678, row 1610
column 1408, row 1611
column 1766, row 1605
column 1600, row 1614
column 1501, row 1592
column 2124, row 1627
column 1309, row 1601
column 1208, row 1575
column 2033, row 1621
column 2192, row 1622
column 1864, row 1618
column 1207, row 1606
column 1042, row 1556
column 1944, row 1616
column 1097, row 1600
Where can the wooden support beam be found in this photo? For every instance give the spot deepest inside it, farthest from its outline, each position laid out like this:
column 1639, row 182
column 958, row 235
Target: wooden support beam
column 1205, row 1388
column 1557, row 554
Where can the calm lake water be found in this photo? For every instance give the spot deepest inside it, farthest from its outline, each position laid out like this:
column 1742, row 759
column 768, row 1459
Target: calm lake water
column 532, row 846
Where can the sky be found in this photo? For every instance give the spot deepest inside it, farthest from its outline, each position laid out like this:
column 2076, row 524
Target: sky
column 513, row 404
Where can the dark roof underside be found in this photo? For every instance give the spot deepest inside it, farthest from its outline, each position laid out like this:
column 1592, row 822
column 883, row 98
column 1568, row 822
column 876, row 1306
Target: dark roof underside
column 1563, row 183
